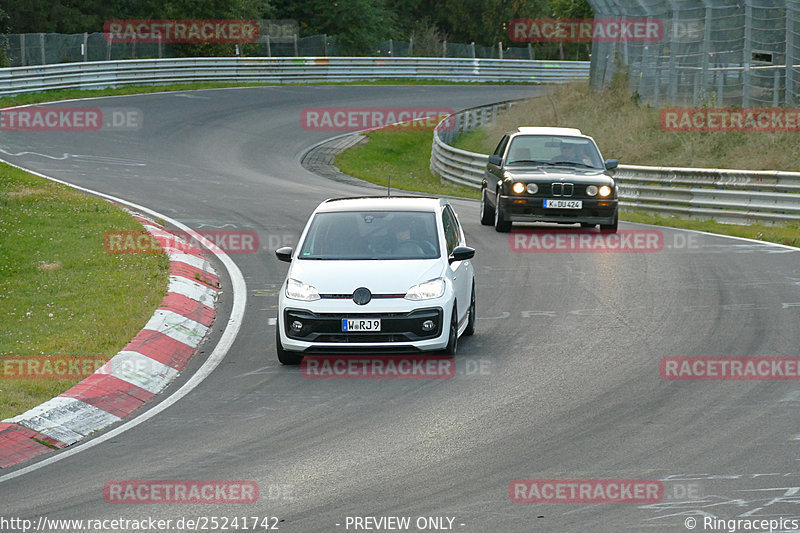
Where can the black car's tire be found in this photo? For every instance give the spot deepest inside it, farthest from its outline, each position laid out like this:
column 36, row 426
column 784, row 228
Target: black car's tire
column 587, row 225
column 284, row 356
column 500, row 223
column 470, row 329
column 452, row 339
column 611, row 228
column 487, row 211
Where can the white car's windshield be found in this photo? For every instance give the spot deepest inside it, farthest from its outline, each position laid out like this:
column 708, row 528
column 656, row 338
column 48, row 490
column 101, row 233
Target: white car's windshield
column 371, row 235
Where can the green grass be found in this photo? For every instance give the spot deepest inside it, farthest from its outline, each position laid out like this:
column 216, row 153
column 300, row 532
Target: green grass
column 403, row 155
column 61, row 293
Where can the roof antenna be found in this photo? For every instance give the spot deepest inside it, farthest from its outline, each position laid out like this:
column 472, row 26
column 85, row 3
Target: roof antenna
column 389, row 186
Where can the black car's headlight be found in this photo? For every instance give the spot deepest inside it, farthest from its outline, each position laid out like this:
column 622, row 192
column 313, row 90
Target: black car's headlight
column 591, row 190
column 605, row 190
column 532, row 188
column 518, row 188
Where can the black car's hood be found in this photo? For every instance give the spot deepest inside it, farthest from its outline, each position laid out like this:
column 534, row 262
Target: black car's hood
column 588, row 176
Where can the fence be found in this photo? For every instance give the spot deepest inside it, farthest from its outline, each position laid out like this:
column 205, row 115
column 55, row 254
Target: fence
column 101, row 74
column 50, row 48
column 728, row 196
column 712, row 53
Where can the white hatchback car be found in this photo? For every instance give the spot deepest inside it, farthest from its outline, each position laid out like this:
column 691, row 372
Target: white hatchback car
column 376, row 274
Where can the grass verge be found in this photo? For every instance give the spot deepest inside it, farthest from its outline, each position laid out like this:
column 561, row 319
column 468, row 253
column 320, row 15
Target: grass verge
column 61, row 293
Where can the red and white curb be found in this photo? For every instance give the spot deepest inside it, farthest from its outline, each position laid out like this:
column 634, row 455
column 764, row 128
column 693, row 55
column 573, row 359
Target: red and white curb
column 142, row 369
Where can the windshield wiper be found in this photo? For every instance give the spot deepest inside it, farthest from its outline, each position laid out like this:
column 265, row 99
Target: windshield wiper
column 575, row 163
column 538, row 162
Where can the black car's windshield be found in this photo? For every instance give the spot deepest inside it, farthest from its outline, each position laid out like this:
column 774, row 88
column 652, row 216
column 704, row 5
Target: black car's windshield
column 355, row 235
column 554, row 150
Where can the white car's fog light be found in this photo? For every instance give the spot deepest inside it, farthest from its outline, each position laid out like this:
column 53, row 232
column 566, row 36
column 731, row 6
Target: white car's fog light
column 428, row 325
column 297, row 325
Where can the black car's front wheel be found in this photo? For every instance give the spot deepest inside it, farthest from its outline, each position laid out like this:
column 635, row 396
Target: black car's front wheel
column 487, row 211
column 611, row 228
column 500, row 223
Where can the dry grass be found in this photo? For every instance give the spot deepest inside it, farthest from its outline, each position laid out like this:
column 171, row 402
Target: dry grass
column 632, row 133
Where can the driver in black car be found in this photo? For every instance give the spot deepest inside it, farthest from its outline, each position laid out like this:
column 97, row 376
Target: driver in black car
column 572, row 153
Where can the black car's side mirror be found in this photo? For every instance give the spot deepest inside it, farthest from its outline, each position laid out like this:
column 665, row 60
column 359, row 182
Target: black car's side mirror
column 611, row 164
column 284, row 254
column 495, row 160
column 461, row 253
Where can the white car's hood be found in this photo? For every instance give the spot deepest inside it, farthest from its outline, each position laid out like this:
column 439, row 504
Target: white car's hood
column 380, row 277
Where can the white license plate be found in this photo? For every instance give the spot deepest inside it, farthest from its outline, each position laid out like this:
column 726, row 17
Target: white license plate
column 563, row 204
column 361, row 324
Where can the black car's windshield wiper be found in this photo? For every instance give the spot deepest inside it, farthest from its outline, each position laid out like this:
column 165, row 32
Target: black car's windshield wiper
column 538, row 162
column 576, row 163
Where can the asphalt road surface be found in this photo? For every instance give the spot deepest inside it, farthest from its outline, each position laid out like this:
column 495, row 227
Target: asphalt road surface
column 561, row 380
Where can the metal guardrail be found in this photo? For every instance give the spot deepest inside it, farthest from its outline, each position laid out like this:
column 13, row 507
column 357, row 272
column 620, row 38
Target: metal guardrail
column 728, row 196
column 102, row 74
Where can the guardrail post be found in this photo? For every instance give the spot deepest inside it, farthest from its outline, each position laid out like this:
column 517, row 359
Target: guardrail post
column 500, row 50
column 159, row 47
column 776, row 85
column 391, row 48
column 109, row 37
column 325, row 44
column 530, row 51
column 720, row 86
column 85, row 46
column 41, row 46
column 472, row 49
column 269, row 51
column 22, row 49
column 444, row 48
column 789, row 85
column 411, row 45
column 295, row 45
column 748, row 54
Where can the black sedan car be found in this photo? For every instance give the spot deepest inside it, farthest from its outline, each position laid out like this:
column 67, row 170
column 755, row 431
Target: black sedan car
column 551, row 175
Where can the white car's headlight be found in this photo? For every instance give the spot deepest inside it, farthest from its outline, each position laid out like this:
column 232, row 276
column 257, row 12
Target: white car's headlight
column 427, row 290
column 297, row 290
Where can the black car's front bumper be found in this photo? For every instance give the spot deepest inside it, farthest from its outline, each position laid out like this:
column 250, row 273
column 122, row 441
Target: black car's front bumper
column 531, row 209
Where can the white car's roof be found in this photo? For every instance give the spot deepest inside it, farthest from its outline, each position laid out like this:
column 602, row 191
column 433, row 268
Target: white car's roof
column 382, row 203
column 542, row 130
